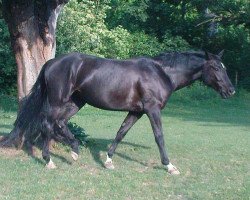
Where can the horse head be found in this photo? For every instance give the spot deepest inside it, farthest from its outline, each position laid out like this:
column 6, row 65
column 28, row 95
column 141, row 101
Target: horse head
column 214, row 75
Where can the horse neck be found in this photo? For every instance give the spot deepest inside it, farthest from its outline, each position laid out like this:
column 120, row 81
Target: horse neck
column 181, row 74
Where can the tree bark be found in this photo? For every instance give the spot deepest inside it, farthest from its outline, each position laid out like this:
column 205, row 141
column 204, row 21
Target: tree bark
column 32, row 25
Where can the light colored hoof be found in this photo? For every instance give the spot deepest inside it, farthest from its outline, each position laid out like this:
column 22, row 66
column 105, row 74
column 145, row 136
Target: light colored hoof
column 74, row 155
column 109, row 165
column 50, row 165
column 172, row 169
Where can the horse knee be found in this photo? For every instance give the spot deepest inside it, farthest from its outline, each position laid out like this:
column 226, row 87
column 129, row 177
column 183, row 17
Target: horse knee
column 159, row 139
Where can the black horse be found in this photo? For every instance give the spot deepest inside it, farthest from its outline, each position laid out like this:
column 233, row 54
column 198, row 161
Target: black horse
column 139, row 86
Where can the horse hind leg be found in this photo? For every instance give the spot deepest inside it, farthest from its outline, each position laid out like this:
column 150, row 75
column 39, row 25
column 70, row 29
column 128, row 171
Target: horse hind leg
column 46, row 134
column 62, row 130
column 55, row 124
column 30, row 143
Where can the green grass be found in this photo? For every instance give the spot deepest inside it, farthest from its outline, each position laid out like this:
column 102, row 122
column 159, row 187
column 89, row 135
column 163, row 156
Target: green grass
column 208, row 140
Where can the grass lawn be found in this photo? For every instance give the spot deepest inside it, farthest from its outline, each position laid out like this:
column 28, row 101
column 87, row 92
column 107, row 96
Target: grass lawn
column 208, row 140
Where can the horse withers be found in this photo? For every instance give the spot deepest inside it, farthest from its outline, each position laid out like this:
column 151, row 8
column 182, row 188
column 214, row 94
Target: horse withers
column 138, row 86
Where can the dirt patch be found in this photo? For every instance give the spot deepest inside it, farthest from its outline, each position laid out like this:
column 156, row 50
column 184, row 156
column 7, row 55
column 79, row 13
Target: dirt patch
column 9, row 152
column 90, row 169
column 152, row 163
column 141, row 169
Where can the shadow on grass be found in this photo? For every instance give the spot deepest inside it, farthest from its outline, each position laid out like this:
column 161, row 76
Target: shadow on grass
column 97, row 145
column 233, row 111
column 42, row 162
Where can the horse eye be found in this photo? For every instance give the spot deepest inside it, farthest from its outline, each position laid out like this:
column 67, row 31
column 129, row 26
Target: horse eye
column 215, row 68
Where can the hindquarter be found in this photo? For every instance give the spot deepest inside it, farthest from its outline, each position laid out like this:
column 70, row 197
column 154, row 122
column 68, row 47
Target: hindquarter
column 60, row 78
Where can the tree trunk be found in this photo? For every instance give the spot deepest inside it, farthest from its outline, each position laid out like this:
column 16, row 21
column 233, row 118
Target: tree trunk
column 32, row 25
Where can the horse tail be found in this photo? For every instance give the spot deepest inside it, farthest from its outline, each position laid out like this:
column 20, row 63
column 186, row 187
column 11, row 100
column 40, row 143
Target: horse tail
column 29, row 117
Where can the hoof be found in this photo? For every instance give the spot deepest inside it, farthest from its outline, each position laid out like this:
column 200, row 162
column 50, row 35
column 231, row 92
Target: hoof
column 50, row 165
column 172, row 169
column 109, row 165
column 74, row 155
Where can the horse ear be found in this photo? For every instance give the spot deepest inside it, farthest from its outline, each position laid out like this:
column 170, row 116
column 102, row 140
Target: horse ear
column 208, row 56
column 221, row 53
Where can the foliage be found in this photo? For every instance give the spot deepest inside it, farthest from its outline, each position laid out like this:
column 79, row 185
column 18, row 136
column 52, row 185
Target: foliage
column 7, row 62
column 82, row 28
column 208, row 25
column 237, row 57
column 145, row 44
column 125, row 12
column 78, row 132
column 83, row 24
column 176, row 43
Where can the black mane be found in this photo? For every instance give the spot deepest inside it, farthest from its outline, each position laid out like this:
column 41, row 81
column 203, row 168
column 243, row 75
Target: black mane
column 187, row 59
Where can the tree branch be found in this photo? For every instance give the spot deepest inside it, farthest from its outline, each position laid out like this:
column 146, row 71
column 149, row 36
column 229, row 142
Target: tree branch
column 46, row 12
column 229, row 19
column 1, row 7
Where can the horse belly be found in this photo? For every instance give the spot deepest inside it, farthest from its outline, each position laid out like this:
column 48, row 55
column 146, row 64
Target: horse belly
column 123, row 97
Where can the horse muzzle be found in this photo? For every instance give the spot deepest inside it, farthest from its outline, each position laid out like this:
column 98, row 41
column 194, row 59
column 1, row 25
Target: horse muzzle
column 226, row 94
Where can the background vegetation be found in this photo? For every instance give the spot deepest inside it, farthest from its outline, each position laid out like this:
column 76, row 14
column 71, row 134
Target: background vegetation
column 123, row 29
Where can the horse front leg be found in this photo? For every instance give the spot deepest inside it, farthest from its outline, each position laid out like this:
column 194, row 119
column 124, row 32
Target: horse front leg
column 128, row 122
column 154, row 116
